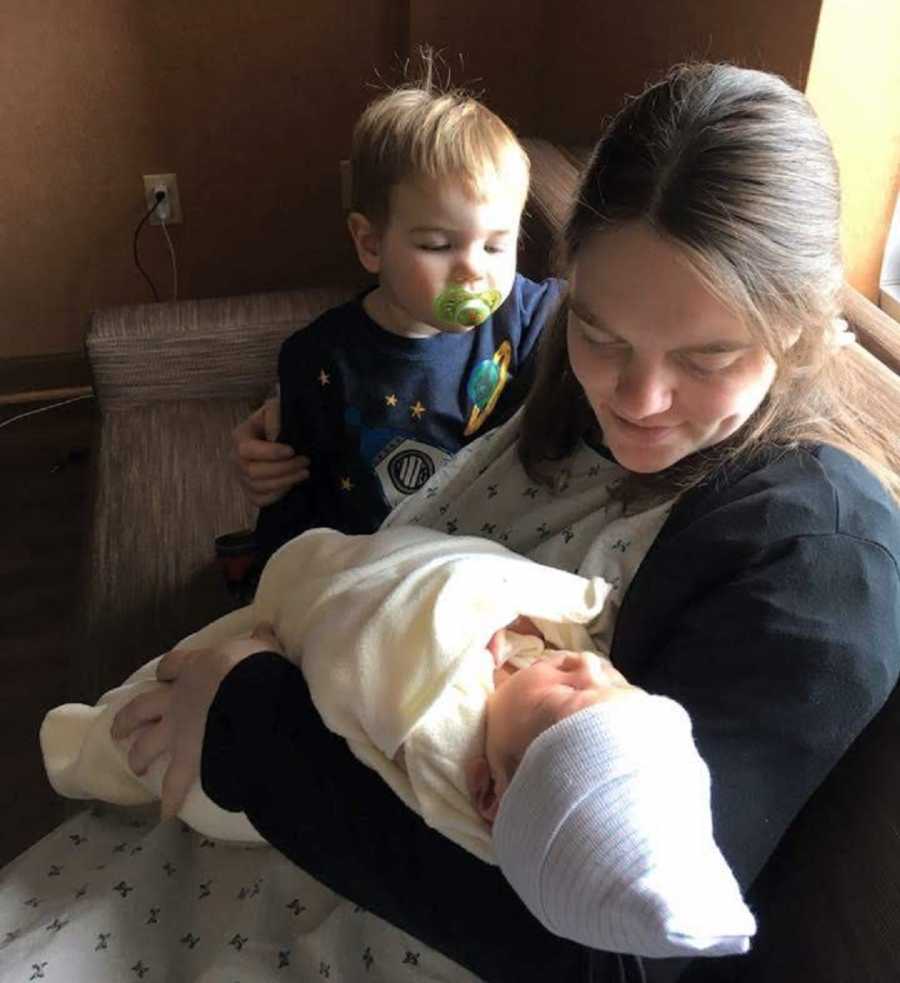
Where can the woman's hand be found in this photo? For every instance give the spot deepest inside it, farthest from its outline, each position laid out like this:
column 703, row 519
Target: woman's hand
column 265, row 468
column 172, row 718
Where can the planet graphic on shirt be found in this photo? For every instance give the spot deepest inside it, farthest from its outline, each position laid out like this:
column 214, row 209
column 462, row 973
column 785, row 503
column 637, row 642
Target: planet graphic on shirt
column 486, row 383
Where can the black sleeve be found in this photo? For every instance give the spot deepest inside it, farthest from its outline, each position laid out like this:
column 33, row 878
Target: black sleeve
column 780, row 665
column 300, row 509
column 267, row 753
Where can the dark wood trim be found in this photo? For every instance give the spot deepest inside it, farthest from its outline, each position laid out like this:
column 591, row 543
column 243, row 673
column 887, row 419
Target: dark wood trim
column 36, row 373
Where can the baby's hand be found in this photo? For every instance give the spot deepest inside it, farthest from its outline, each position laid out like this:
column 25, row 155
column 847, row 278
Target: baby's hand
column 501, row 646
column 607, row 673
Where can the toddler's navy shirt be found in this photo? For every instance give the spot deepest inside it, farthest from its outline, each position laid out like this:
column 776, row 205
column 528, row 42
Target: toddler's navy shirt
column 378, row 413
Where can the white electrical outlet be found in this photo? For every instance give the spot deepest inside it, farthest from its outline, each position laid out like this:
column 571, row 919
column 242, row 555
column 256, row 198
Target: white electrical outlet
column 170, row 209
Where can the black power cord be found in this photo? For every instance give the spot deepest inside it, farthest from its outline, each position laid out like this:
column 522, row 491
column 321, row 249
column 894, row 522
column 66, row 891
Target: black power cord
column 160, row 198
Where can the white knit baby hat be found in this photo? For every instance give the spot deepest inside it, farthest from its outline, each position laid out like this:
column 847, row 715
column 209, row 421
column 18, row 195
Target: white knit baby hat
column 605, row 833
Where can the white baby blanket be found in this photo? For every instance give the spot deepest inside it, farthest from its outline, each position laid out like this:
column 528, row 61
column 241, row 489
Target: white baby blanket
column 390, row 631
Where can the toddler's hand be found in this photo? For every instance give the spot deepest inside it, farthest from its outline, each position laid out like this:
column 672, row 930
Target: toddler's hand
column 172, row 718
column 265, row 468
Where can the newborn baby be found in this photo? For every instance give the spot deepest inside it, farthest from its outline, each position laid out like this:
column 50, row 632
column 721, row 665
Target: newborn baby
column 454, row 668
column 535, row 687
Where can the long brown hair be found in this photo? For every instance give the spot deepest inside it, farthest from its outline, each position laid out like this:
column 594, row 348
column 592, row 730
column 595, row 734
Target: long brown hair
column 732, row 166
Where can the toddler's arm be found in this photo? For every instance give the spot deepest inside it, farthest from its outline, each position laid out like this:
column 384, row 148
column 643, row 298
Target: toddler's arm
column 265, row 468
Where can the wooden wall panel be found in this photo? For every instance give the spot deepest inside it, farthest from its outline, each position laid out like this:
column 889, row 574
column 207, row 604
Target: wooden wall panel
column 598, row 52
column 250, row 105
column 497, row 48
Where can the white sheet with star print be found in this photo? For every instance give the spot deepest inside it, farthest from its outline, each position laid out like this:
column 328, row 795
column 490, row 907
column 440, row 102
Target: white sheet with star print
column 111, row 896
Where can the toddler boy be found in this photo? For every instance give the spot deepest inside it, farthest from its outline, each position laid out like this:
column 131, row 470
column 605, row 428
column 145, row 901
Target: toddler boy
column 379, row 392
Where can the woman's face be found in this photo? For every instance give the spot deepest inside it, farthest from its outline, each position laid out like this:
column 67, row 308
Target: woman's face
column 667, row 368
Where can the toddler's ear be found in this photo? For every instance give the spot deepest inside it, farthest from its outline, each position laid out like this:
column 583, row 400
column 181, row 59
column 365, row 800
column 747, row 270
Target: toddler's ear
column 366, row 240
column 481, row 789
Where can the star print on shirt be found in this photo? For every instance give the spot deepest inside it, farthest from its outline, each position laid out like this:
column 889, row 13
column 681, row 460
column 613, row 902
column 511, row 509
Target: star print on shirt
column 391, row 400
column 346, row 484
column 417, row 410
column 324, row 377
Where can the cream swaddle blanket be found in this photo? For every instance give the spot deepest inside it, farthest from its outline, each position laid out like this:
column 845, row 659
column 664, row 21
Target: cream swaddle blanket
column 390, row 631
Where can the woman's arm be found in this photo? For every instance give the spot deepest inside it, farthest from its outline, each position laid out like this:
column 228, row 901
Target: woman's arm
column 267, row 753
column 771, row 613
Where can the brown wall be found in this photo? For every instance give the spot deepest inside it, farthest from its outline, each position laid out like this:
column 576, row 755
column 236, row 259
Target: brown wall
column 604, row 50
column 251, row 105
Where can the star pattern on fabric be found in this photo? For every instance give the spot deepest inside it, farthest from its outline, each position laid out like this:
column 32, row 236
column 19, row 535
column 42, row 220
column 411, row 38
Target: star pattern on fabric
column 249, row 892
column 391, row 400
column 324, row 378
column 346, row 484
column 417, row 410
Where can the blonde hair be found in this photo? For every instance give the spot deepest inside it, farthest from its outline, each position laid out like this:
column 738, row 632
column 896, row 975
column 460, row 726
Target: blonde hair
column 733, row 167
column 424, row 129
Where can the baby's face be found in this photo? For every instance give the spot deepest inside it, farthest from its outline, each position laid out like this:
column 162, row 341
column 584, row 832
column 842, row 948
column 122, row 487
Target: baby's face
column 526, row 702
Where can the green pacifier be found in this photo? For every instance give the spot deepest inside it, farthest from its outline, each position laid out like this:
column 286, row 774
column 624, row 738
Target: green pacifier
column 460, row 306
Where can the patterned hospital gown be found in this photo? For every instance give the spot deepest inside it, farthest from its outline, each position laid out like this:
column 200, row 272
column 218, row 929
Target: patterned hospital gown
column 112, row 895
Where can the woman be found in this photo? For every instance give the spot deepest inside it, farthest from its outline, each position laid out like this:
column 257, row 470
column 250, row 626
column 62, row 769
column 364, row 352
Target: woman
column 694, row 437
